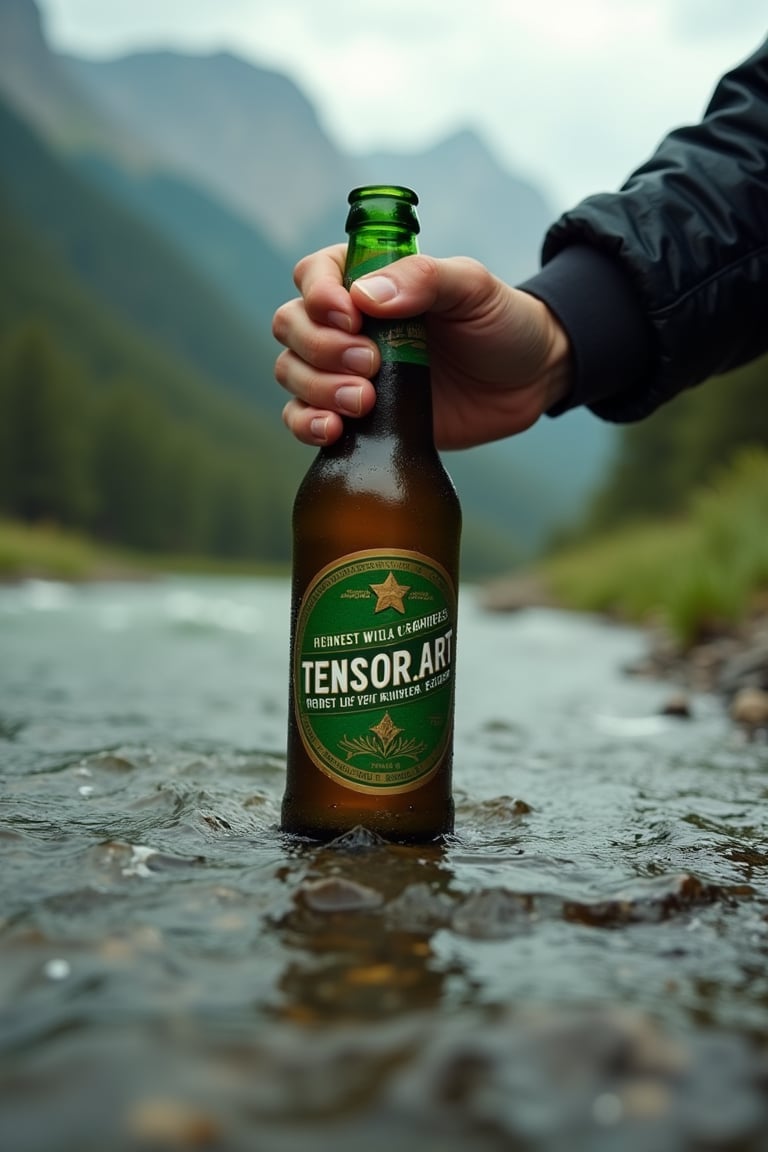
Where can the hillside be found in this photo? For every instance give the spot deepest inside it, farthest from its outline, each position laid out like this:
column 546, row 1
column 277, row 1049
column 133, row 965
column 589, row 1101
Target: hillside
column 106, row 429
column 128, row 265
column 236, row 258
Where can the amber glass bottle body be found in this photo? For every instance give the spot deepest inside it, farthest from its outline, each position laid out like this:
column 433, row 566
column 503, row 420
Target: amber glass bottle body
column 376, row 526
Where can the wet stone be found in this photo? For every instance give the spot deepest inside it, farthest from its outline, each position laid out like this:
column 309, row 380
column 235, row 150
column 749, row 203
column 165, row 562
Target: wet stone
column 749, row 708
column 678, row 705
column 748, row 669
column 357, row 839
column 420, row 909
column 336, row 894
column 494, row 914
column 650, row 901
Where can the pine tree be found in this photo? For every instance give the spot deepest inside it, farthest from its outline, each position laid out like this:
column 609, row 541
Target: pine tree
column 44, row 444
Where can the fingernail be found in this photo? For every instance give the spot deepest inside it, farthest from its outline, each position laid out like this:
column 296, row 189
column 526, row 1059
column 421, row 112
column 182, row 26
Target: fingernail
column 340, row 320
column 378, row 288
column 348, row 399
column 319, row 427
column 358, row 360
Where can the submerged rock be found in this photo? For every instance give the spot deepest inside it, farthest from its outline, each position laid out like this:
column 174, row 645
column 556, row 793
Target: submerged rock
column 357, row 839
column 336, row 894
column 493, row 914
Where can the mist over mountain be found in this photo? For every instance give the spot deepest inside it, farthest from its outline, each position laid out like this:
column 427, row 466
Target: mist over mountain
column 246, row 134
column 226, row 168
column 250, row 137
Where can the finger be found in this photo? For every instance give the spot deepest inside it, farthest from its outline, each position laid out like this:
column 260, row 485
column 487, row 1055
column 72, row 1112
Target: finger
column 339, row 392
column 319, row 277
column 311, row 425
column 328, row 349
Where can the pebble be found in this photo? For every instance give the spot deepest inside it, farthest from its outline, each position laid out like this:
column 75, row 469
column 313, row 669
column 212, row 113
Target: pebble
column 749, row 707
column 678, row 705
column 169, row 1123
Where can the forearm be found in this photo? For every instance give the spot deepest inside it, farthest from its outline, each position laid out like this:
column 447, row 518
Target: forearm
column 664, row 283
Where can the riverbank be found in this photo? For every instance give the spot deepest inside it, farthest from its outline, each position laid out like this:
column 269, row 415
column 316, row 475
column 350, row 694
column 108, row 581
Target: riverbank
column 729, row 660
column 698, row 584
column 44, row 551
column 47, row 552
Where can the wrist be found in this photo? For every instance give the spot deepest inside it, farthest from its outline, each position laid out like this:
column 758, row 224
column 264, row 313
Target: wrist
column 592, row 300
column 558, row 373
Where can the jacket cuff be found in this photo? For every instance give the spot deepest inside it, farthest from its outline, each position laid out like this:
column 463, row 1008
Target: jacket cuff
column 611, row 342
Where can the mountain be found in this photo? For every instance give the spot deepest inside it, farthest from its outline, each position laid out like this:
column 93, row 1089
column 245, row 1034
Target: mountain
column 247, row 135
column 40, row 86
column 468, row 204
column 250, row 137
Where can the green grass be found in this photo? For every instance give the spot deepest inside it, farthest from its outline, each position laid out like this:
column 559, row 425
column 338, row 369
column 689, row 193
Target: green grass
column 48, row 552
column 699, row 574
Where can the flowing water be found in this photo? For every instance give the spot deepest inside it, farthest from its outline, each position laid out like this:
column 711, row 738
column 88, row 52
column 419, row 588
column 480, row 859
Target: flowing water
column 581, row 966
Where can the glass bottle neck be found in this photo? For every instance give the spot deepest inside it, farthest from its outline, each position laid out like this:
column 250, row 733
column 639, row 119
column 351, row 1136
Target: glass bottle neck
column 383, row 226
column 373, row 246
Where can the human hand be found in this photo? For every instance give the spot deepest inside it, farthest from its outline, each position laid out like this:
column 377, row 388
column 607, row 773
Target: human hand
column 498, row 356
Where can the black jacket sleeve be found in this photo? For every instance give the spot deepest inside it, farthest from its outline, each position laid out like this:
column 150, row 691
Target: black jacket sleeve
column 665, row 282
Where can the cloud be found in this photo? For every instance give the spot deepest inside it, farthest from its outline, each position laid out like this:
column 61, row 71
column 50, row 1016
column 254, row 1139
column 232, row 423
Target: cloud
column 693, row 20
column 573, row 94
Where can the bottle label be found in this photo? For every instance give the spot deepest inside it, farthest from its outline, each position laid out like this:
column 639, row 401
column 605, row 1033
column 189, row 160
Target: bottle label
column 399, row 341
column 374, row 669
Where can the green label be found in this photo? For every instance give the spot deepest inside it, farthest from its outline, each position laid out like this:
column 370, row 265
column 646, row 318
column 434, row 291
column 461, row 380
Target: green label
column 374, row 669
column 399, row 341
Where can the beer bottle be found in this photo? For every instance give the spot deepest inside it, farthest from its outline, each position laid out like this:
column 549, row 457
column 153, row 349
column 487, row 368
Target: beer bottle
column 376, row 525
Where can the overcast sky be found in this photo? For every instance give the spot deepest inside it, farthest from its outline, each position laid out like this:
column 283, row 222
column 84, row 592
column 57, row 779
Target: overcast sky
column 570, row 93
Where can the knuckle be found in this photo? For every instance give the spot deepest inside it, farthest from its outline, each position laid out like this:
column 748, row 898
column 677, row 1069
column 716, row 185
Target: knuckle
column 425, row 267
column 281, row 321
column 300, row 269
column 288, row 414
column 281, row 369
column 313, row 391
column 315, row 348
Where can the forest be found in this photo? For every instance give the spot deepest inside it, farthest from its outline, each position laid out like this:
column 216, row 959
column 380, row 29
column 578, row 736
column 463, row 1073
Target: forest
column 124, row 379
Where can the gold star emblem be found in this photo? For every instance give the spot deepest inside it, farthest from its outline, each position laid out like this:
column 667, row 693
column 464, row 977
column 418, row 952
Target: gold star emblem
column 386, row 730
column 390, row 594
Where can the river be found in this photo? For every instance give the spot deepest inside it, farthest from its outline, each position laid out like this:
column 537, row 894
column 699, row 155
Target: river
column 581, row 966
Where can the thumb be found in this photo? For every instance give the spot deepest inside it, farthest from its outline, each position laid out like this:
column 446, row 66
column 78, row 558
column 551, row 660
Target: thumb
column 406, row 287
column 416, row 284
